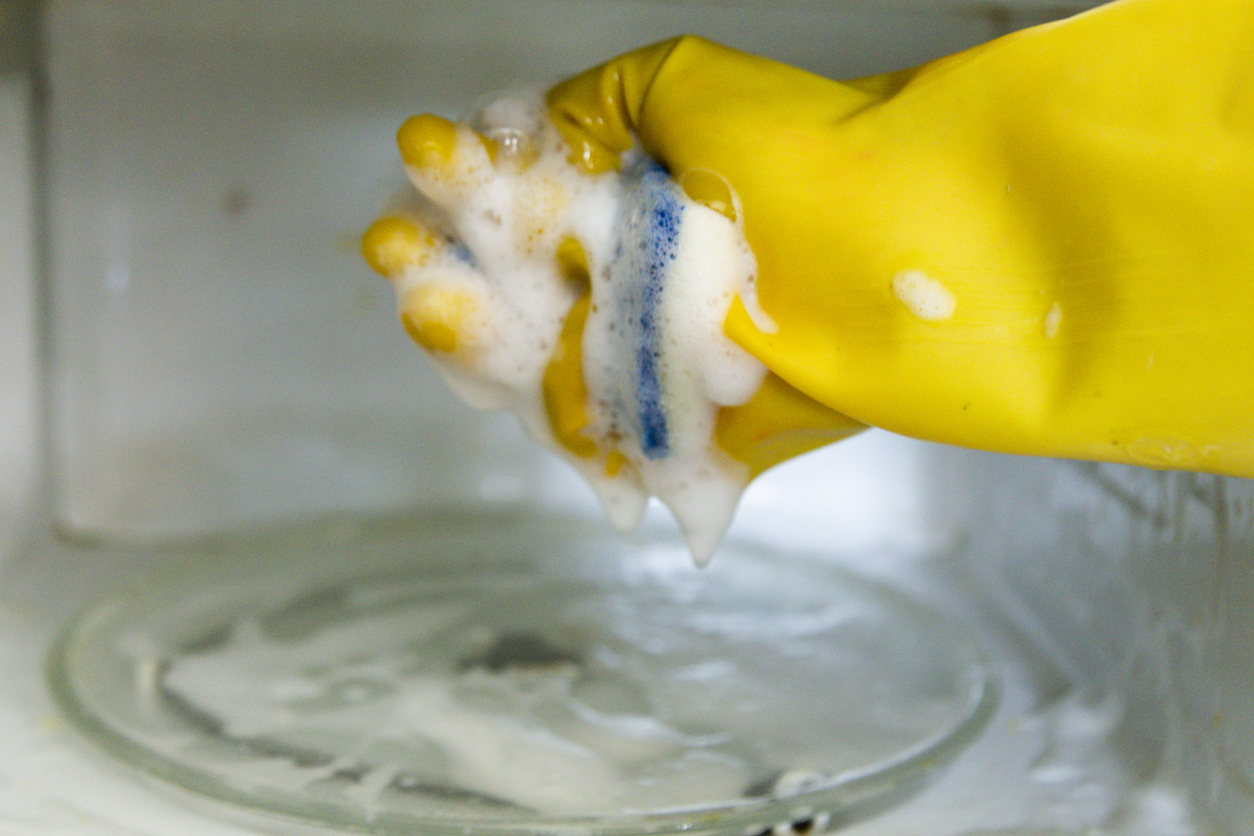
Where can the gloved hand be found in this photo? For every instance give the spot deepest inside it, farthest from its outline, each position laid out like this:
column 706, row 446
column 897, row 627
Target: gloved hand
column 1043, row 245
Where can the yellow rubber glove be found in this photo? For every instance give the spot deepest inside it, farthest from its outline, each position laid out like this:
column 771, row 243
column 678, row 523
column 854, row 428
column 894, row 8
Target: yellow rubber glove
column 1043, row 245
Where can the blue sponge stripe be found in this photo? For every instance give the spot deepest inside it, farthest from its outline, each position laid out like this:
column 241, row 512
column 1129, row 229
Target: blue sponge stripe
column 663, row 218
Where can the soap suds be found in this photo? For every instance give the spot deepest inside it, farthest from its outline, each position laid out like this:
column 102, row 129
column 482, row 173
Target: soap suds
column 924, row 296
column 663, row 271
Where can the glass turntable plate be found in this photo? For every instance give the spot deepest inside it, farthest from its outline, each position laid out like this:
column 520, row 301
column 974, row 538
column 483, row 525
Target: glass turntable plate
column 475, row 675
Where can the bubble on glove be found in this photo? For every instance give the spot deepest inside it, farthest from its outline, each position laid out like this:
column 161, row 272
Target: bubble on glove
column 924, row 296
column 490, row 294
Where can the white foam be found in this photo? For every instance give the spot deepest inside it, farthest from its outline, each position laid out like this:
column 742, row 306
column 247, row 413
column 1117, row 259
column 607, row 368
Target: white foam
column 657, row 411
column 924, row 296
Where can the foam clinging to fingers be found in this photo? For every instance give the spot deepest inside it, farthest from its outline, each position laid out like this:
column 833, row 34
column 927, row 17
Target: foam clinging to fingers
column 626, row 384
